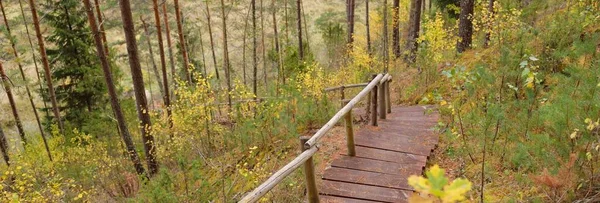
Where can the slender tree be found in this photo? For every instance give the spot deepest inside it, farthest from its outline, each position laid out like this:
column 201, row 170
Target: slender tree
column 396, row 29
column 33, row 108
column 277, row 48
column 244, row 39
column 226, row 65
column 151, row 53
column 299, row 16
column 212, row 42
column 465, row 25
column 203, row 56
column 368, row 28
column 263, row 47
column 101, row 22
column 138, row 85
column 350, row 5
column 33, row 57
column 386, row 48
column 46, row 64
column 488, row 34
column 182, row 42
column 166, row 97
column 4, row 147
column 114, row 101
column 254, row 47
column 414, row 25
column 169, row 43
column 13, row 105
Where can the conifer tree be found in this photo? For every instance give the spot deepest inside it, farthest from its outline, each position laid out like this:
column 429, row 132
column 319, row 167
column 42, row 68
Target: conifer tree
column 465, row 25
column 75, row 66
column 4, row 147
column 13, row 106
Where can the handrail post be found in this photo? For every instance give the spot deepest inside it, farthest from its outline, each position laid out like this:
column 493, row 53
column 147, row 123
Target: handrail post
column 349, row 132
column 388, row 96
column 382, row 104
column 342, row 96
column 374, row 104
column 309, row 174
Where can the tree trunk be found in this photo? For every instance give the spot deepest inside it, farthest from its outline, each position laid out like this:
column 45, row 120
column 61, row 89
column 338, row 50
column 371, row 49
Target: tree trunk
column 33, row 108
column 4, row 147
column 169, row 44
column 350, row 5
column 226, row 64
column 277, row 48
column 203, row 56
column 386, row 45
column 368, row 29
column 151, row 53
column 212, row 42
column 182, row 42
column 254, row 48
column 262, row 39
column 414, row 26
column 396, row 29
column 13, row 107
column 299, row 18
column 114, row 101
column 306, row 34
column 101, row 22
column 138, row 85
column 488, row 35
column 244, row 37
column 46, row 64
column 33, row 57
column 465, row 25
column 166, row 97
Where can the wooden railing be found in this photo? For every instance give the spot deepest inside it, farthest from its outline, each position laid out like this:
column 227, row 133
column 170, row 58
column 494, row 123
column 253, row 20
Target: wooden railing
column 379, row 85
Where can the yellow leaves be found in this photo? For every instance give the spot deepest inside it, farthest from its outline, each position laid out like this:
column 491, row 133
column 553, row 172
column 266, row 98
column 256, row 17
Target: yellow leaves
column 591, row 124
column 574, row 134
column 437, row 38
column 435, row 187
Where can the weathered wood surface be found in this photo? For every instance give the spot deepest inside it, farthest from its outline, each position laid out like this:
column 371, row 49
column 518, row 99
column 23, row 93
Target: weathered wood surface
column 386, row 156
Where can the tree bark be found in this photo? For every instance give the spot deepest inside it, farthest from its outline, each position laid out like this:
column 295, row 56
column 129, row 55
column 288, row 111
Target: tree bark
column 33, row 57
column 350, row 5
column 46, row 64
column 299, row 18
column 182, row 42
column 465, row 25
column 226, row 64
column 488, row 34
column 166, row 96
column 386, row 45
column 114, row 101
column 4, row 147
column 138, row 85
column 396, row 29
column 262, row 39
column 151, row 53
column 101, row 22
column 13, row 105
column 368, row 28
column 277, row 48
column 244, row 37
column 169, row 43
column 212, row 42
column 254, row 48
column 413, row 30
column 203, row 56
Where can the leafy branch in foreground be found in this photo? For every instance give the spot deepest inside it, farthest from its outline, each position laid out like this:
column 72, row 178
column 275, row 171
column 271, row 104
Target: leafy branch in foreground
column 437, row 188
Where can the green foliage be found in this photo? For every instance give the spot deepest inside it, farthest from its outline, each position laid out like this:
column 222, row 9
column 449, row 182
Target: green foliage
column 80, row 88
column 437, row 187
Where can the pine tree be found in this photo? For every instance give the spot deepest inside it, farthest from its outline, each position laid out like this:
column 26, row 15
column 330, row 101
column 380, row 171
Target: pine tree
column 465, row 25
column 414, row 25
column 13, row 106
column 4, row 147
column 75, row 66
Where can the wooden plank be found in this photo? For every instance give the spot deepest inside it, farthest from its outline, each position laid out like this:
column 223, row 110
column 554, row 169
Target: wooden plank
column 334, row 199
column 364, row 192
column 406, row 147
column 427, row 141
column 390, row 156
column 372, row 165
column 367, row 178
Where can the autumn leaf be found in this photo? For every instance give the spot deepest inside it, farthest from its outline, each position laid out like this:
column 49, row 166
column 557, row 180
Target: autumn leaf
column 456, row 190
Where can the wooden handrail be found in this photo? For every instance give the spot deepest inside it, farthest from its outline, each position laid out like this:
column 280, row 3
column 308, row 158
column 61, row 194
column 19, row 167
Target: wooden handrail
column 329, row 89
column 310, row 146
